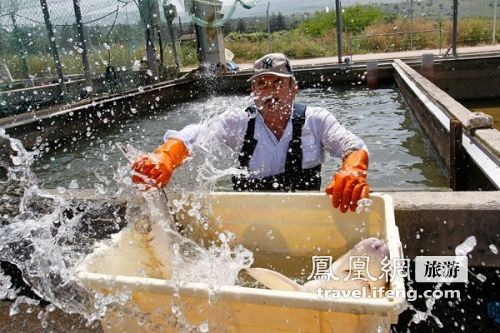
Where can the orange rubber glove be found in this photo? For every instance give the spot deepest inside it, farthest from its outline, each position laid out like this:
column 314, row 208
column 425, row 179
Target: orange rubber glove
column 155, row 170
column 349, row 184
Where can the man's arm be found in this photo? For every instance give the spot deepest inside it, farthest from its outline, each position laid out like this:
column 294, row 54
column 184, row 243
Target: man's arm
column 156, row 169
column 349, row 184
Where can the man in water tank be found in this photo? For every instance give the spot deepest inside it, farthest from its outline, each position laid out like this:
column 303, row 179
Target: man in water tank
column 281, row 143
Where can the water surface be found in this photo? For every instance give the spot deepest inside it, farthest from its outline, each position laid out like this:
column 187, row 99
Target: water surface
column 401, row 158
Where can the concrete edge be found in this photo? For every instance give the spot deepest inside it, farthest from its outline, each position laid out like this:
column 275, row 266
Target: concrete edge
column 484, row 150
column 29, row 117
column 490, row 138
column 447, row 103
column 407, row 200
column 472, row 200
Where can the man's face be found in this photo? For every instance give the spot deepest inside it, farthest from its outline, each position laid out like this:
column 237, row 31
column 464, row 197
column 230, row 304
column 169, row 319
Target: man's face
column 271, row 91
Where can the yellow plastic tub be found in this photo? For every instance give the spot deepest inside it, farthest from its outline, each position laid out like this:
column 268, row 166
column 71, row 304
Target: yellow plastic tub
column 284, row 225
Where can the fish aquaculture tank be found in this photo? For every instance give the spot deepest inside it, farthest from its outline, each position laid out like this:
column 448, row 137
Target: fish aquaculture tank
column 135, row 266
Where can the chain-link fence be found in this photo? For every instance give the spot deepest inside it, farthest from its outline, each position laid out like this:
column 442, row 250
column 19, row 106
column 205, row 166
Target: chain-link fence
column 92, row 47
column 113, row 37
column 82, row 48
column 309, row 29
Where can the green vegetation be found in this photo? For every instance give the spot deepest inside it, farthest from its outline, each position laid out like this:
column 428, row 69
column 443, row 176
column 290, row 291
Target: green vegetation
column 355, row 19
column 367, row 29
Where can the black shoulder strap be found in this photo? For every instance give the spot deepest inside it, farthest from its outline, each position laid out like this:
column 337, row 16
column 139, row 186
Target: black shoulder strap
column 249, row 143
column 293, row 165
column 298, row 120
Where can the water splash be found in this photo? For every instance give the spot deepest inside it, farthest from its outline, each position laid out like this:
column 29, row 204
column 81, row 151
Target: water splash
column 46, row 235
column 34, row 234
column 466, row 247
column 218, row 266
column 463, row 249
column 364, row 205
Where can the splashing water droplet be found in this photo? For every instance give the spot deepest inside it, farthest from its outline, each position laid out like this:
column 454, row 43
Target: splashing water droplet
column 364, row 204
column 481, row 277
column 493, row 249
column 204, row 327
column 466, row 247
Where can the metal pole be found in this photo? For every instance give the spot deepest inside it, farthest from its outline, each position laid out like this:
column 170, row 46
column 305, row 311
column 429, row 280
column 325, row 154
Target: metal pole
column 24, row 61
column 454, row 31
column 411, row 25
column 338, row 12
column 268, row 27
column 2, row 45
column 53, row 48
column 457, row 163
column 146, row 8
column 494, row 38
column 83, row 46
column 210, row 38
column 170, row 12
column 440, row 36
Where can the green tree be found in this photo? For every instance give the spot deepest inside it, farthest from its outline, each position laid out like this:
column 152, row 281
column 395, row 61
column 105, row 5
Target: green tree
column 280, row 23
column 228, row 27
column 272, row 23
column 241, row 26
column 357, row 18
column 318, row 24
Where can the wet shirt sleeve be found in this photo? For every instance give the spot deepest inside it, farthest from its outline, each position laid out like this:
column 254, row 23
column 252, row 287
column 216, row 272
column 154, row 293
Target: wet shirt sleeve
column 228, row 127
column 334, row 137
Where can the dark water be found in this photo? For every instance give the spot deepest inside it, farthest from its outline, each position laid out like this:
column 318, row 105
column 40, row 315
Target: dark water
column 400, row 157
column 488, row 106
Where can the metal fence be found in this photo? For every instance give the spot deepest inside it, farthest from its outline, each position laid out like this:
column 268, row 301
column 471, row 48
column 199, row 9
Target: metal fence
column 81, row 47
column 406, row 25
column 111, row 36
column 92, row 47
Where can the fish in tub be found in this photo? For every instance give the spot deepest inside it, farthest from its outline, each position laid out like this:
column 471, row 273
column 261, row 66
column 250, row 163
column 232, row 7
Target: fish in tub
column 372, row 248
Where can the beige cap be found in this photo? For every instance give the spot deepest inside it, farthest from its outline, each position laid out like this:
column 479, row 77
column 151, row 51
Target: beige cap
column 272, row 64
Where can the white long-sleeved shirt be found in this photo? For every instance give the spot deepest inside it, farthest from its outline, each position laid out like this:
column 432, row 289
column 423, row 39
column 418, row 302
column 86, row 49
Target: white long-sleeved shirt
column 321, row 132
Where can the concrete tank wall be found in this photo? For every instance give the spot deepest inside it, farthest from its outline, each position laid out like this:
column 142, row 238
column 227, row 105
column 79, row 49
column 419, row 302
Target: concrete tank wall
column 472, row 156
column 469, row 78
column 60, row 124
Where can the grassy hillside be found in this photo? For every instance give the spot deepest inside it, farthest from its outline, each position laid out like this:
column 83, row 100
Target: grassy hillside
column 423, row 8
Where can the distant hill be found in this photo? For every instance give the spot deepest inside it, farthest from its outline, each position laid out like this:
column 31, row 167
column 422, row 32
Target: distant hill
column 62, row 10
column 288, row 7
column 467, row 8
